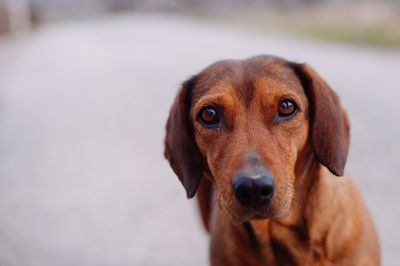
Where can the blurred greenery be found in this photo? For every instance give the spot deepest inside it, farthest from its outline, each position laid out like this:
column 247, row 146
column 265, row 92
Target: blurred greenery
column 376, row 24
column 370, row 37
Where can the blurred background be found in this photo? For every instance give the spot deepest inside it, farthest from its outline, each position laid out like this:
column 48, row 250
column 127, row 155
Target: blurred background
column 85, row 90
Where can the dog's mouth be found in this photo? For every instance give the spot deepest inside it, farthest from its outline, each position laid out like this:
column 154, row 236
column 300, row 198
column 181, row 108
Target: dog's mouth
column 259, row 216
column 244, row 214
column 272, row 210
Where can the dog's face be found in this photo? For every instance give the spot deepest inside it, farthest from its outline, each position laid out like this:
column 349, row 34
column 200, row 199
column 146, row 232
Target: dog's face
column 249, row 118
column 244, row 124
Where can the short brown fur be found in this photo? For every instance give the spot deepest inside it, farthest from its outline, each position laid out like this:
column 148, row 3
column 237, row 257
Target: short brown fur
column 314, row 217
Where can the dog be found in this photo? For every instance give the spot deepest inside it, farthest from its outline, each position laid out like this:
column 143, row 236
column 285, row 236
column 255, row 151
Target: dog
column 264, row 142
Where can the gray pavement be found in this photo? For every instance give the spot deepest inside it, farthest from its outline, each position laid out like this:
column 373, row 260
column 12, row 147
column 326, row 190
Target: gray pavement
column 82, row 112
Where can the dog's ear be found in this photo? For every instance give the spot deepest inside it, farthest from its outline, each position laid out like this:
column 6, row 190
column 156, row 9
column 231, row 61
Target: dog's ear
column 180, row 148
column 329, row 122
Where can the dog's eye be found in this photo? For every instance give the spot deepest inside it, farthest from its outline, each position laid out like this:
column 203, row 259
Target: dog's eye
column 286, row 108
column 208, row 116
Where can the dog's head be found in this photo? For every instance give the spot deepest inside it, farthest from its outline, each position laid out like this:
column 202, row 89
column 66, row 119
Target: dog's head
column 244, row 124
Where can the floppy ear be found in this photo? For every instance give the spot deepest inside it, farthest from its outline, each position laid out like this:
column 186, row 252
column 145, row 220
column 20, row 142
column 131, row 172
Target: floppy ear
column 180, row 148
column 329, row 123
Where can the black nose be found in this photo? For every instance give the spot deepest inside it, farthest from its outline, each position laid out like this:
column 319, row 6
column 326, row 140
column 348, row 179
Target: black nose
column 254, row 192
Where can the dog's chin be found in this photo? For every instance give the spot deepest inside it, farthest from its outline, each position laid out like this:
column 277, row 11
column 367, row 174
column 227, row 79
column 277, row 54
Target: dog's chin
column 240, row 215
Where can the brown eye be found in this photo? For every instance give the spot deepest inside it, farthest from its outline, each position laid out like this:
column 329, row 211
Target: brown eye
column 286, row 108
column 208, row 116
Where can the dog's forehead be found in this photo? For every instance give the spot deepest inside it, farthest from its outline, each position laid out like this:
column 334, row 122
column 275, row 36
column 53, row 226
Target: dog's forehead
column 243, row 77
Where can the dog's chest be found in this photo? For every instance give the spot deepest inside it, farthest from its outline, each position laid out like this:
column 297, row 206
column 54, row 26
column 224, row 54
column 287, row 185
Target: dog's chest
column 282, row 245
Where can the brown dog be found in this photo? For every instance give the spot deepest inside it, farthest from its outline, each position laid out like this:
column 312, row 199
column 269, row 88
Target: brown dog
column 263, row 141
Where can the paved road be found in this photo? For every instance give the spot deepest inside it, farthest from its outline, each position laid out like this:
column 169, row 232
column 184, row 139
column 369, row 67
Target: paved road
column 82, row 113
